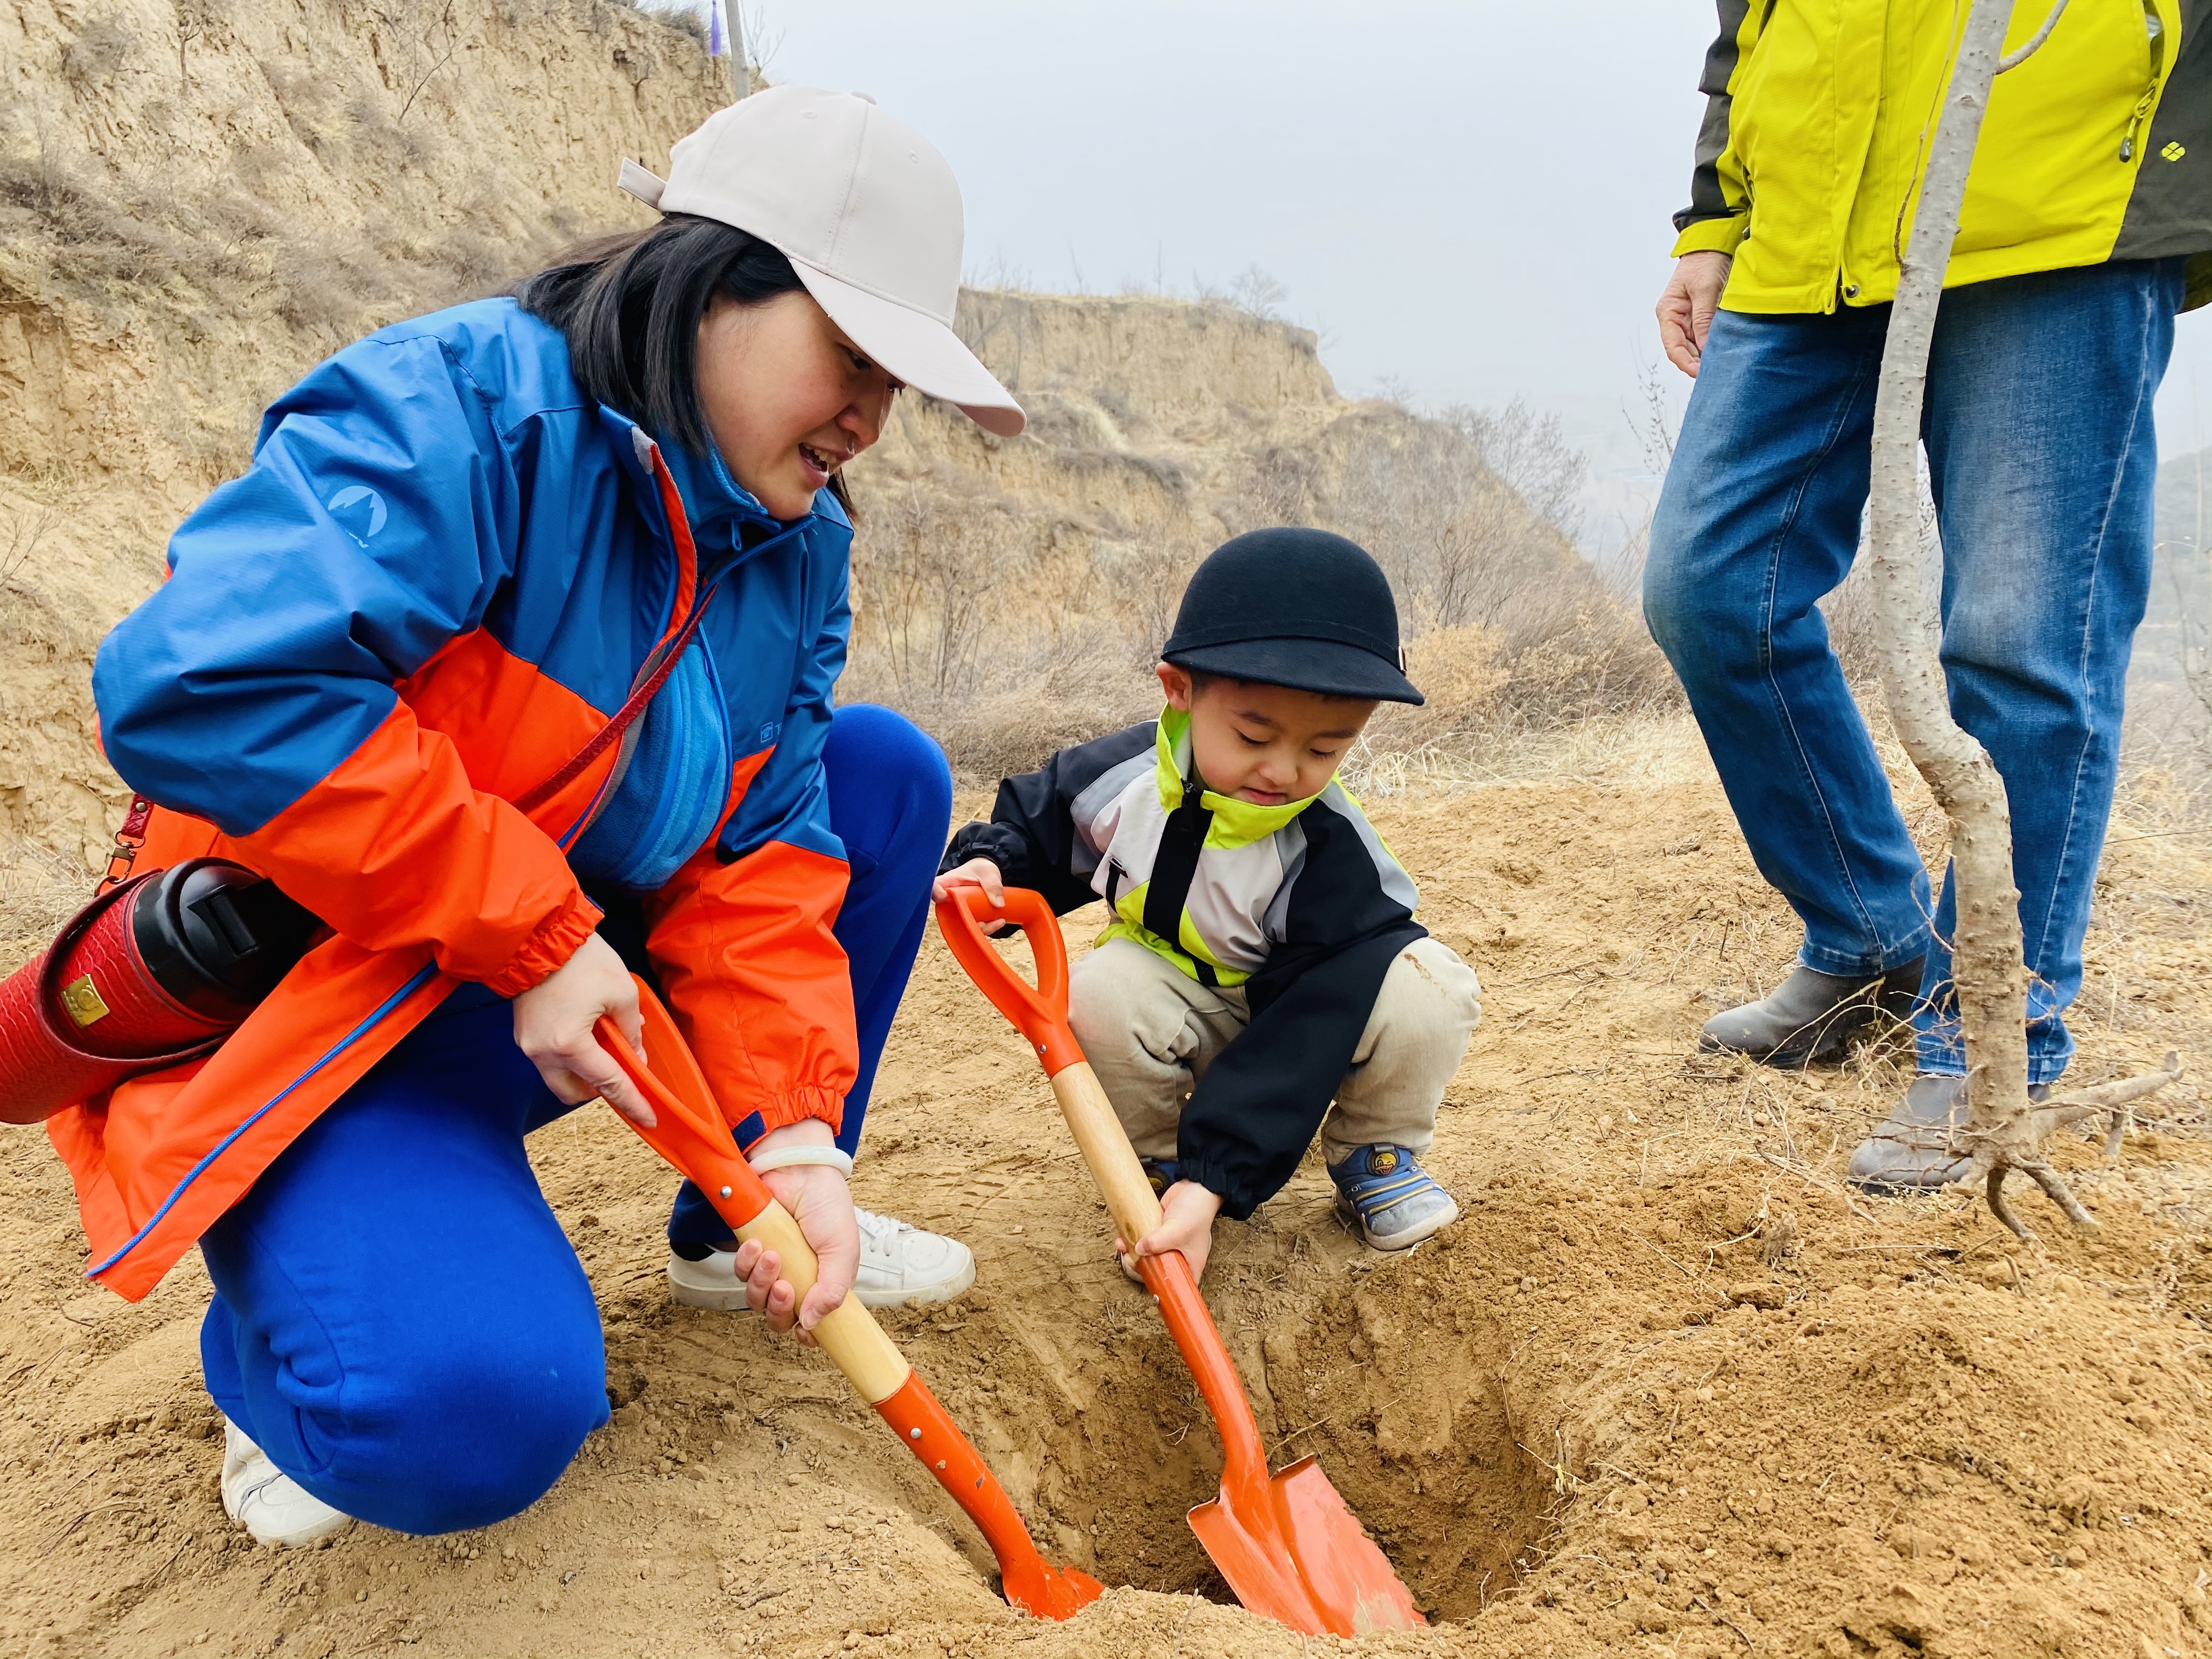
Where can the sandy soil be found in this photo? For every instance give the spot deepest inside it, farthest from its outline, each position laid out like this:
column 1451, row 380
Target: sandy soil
column 1665, row 1390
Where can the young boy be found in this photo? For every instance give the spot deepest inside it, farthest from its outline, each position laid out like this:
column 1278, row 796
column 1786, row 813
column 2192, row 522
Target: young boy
column 1263, row 956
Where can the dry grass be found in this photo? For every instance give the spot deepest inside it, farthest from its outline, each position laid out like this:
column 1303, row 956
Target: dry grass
column 1008, row 630
column 39, row 892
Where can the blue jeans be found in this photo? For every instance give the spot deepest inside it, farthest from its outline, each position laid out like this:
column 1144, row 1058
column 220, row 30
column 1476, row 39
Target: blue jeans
column 399, row 1320
column 2042, row 460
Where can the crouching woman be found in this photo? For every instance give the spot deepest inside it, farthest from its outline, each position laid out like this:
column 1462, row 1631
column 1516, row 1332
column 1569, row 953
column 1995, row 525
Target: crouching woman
column 385, row 672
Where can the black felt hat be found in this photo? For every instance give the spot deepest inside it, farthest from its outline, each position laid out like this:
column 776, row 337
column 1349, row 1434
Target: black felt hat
column 1301, row 608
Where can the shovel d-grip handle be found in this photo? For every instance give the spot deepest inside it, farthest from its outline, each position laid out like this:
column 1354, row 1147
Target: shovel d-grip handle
column 690, row 1134
column 1039, row 1011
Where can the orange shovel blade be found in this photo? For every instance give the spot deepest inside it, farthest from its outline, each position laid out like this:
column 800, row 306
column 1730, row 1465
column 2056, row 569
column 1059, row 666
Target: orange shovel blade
column 1343, row 1585
column 1287, row 1546
column 1351, row 1580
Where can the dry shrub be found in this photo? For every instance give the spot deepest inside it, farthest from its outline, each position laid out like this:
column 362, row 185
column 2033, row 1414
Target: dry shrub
column 89, row 62
column 682, row 19
column 1459, row 672
column 1008, row 630
column 967, row 619
column 39, row 891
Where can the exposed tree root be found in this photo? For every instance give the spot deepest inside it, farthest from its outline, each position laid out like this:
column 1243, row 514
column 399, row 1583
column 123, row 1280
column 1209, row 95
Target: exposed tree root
column 2012, row 1146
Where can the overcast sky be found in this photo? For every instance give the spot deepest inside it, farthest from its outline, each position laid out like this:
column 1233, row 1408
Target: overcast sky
column 1468, row 200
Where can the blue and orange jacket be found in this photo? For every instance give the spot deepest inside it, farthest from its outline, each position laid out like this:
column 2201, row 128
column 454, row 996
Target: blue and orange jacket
column 445, row 569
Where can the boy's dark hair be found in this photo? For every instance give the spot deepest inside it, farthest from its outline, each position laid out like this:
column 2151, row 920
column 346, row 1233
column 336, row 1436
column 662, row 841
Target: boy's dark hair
column 1201, row 681
column 630, row 306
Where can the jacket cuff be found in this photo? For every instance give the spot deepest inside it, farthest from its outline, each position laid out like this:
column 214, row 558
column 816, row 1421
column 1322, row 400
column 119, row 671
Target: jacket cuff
column 557, row 937
column 1721, row 235
column 827, row 1104
column 1237, row 1202
column 971, row 839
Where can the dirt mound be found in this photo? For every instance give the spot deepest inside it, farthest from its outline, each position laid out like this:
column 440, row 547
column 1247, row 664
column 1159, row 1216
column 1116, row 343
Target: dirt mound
column 1665, row 1387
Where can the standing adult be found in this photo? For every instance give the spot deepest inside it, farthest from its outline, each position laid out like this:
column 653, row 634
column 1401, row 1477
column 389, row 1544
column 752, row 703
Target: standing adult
column 2087, row 226
column 385, row 672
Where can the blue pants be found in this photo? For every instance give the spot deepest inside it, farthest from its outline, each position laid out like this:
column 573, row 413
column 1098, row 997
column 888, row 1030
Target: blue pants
column 2042, row 461
column 398, row 1320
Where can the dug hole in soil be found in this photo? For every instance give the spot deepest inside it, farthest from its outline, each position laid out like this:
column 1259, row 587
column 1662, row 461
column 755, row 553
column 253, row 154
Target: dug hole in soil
column 1665, row 1388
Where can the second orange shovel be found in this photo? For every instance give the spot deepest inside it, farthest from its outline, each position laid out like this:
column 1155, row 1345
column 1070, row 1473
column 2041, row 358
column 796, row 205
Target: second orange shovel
column 1287, row 1546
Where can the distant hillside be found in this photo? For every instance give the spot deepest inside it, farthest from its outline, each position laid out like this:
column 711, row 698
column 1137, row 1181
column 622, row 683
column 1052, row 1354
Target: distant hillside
column 198, row 203
column 1014, row 594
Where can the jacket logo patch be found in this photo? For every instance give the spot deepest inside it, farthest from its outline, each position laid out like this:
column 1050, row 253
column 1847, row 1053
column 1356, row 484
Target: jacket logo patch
column 362, row 511
column 2174, row 150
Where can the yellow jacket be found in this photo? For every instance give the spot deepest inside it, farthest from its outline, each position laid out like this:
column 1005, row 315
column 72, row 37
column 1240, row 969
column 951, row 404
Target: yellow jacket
column 2098, row 147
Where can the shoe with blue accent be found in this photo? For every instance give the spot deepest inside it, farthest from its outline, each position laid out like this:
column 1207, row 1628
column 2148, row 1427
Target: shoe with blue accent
column 1391, row 1195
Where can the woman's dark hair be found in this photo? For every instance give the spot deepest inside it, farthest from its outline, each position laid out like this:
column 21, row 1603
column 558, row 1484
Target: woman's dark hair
column 630, row 306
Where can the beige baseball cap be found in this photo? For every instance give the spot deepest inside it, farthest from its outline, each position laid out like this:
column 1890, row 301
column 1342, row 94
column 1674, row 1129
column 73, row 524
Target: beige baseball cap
column 866, row 211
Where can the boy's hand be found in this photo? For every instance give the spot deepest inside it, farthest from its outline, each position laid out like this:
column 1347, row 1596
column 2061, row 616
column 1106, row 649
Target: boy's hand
column 1187, row 1212
column 976, row 873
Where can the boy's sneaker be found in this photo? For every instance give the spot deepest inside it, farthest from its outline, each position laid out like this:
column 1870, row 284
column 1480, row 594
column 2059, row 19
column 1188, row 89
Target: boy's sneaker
column 1396, row 1203
column 267, row 1502
column 901, row 1265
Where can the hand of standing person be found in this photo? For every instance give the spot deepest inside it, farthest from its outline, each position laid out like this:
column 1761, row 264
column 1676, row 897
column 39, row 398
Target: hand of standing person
column 553, row 1023
column 1187, row 1212
column 1686, row 305
column 822, row 1204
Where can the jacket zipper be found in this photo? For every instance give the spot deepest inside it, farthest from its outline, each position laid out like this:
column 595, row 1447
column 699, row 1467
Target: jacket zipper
column 2155, row 27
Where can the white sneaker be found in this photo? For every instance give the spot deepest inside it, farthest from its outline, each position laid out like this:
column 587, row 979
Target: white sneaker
column 901, row 1265
column 267, row 1502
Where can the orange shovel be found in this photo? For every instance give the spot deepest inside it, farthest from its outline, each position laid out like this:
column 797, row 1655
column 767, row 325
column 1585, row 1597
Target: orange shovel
column 1288, row 1547
column 690, row 1134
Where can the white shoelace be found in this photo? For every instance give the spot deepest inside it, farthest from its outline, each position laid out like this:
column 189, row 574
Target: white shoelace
column 881, row 1231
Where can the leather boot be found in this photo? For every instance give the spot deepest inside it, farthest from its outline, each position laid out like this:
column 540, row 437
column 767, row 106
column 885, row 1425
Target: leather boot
column 1810, row 1019
column 1910, row 1151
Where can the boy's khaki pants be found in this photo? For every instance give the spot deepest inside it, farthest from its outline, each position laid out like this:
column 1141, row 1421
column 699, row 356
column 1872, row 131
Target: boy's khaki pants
column 1150, row 1031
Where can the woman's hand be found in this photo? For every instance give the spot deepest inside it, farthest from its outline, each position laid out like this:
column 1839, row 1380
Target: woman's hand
column 976, row 873
column 1686, row 305
column 822, row 1204
column 553, row 1023
column 1187, row 1212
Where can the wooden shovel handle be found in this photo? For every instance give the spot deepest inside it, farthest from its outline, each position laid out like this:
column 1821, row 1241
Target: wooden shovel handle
column 1040, row 1012
column 687, row 1139
column 692, row 1134
column 1130, row 1201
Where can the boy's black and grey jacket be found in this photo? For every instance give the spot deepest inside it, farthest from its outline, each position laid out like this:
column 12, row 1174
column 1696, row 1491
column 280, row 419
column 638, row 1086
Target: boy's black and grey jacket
column 1301, row 905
